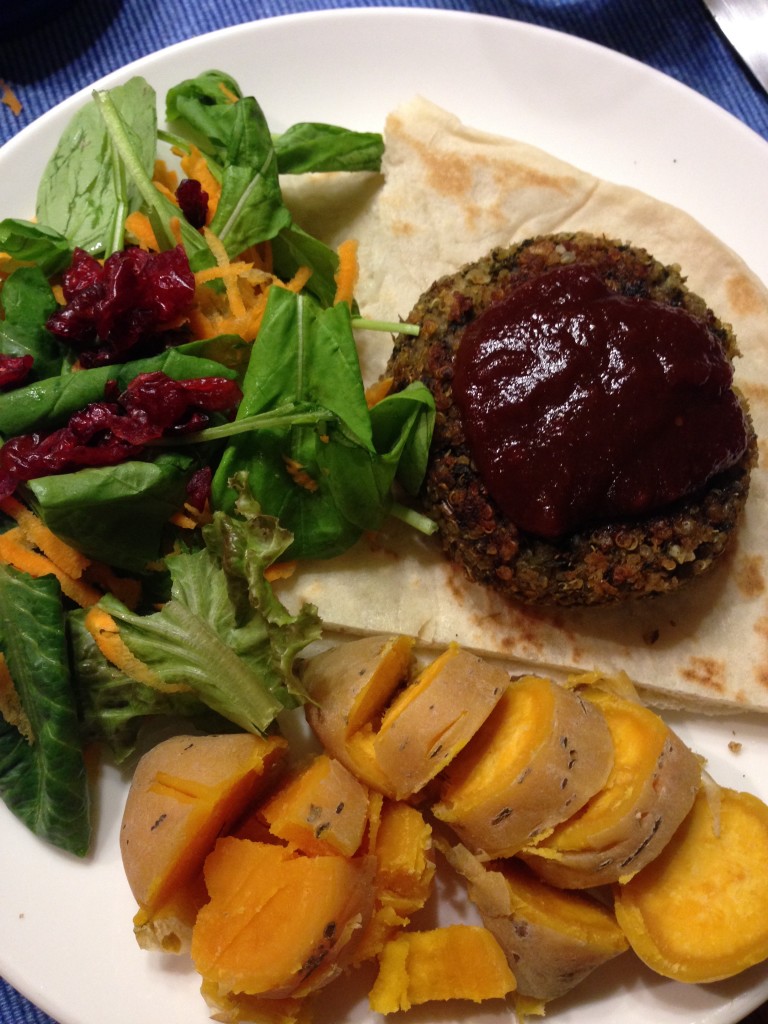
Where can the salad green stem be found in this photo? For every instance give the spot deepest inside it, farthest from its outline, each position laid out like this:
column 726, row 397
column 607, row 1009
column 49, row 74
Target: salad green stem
column 281, row 416
column 391, row 327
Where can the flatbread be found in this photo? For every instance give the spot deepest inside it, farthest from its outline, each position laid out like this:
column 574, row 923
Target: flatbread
column 447, row 196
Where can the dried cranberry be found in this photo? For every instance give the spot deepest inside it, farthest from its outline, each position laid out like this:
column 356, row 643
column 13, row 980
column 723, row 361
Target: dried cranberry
column 14, row 370
column 109, row 432
column 193, row 201
column 199, row 488
column 112, row 308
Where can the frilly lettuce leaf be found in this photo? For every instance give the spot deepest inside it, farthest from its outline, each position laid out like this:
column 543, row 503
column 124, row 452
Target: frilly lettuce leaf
column 223, row 632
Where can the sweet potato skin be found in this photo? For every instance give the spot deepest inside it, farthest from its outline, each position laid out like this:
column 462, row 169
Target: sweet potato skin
column 652, row 787
column 552, row 939
column 185, row 791
column 541, row 754
column 395, row 732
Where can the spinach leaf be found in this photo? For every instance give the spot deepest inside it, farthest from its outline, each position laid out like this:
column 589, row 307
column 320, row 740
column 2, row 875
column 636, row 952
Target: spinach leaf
column 311, row 147
column 293, row 248
column 44, row 783
column 48, row 404
column 27, row 302
column 250, row 208
column 202, row 108
column 115, row 514
column 162, row 212
column 223, row 633
column 82, row 194
column 115, row 709
column 329, row 480
column 35, row 243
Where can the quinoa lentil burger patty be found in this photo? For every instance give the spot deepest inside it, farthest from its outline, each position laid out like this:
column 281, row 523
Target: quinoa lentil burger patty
column 607, row 560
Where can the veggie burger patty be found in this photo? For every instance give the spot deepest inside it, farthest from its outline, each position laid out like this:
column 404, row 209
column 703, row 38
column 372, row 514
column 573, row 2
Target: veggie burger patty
column 596, row 497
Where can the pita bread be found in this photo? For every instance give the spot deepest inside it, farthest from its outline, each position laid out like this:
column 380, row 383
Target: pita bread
column 448, row 195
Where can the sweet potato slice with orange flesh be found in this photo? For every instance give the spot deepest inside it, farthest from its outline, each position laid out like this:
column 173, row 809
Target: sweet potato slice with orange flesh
column 184, row 793
column 652, row 785
column 404, row 875
column 321, row 810
column 699, row 912
column 279, row 924
column 552, row 938
column 455, row 962
column 433, row 718
column 350, row 685
column 541, row 754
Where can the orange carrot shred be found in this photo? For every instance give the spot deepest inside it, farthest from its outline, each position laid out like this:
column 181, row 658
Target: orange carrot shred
column 11, row 708
column 231, row 96
column 14, row 552
column 279, row 571
column 347, row 273
column 106, row 635
column 10, row 99
column 139, row 226
column 377, row 390
column 68, row 559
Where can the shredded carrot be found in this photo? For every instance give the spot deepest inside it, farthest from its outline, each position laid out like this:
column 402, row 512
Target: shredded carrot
column 58, row 294
column 68, row 559
column 231, row 96
column 298, row 280
column 10, row 99
column 139, row 226
column 234, row 297
column 11, row 708
column 299, row 475
column 347, row 273
column 279, row 571
column 13, row 551
column 378, row 390
column 175, row 226
column 106, row 635
column 124, row 588
column 195, row 165
column 164, row 175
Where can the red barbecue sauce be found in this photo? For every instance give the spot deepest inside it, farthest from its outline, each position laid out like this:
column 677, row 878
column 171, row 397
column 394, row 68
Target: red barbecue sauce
column 581, row 406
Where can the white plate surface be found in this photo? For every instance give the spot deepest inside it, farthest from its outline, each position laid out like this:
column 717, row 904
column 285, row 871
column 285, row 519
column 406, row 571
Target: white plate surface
column 65, row 925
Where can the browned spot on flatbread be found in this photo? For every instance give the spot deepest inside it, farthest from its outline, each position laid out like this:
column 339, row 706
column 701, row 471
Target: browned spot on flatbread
column 451, row 174
column 743, row 296
column 708, row 673
column 749, row 576
column 755, row 392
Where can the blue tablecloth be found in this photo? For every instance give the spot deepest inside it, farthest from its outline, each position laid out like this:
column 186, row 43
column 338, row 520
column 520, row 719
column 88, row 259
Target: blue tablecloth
column 45, row 60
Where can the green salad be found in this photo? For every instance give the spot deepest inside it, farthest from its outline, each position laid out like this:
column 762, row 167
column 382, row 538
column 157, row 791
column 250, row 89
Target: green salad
column 181, row 411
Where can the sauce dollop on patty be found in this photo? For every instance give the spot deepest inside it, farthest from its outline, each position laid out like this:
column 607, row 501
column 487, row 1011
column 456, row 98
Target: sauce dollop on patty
column 581, row 405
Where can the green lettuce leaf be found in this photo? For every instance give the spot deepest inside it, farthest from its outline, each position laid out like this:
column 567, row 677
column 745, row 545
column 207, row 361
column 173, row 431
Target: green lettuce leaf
column 116, row 709
column 43, row 783
column 223, row 633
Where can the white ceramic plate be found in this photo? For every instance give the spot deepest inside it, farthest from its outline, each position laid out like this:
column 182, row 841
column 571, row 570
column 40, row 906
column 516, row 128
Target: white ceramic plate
column 65, row 925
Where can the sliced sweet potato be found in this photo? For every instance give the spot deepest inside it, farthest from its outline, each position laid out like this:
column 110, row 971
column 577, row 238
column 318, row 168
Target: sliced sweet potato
column 699, row 912
column 402, row 844
column 278, row 923
column 626, row 824
column 185, row 792
column 394, row 732
column 541, row 754
column 455, row 962
column 433, row 718
column 552, row 938
column 322, row 809
column 349, row 685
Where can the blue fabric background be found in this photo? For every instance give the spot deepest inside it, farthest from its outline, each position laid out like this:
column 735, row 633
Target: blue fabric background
column 45, row 58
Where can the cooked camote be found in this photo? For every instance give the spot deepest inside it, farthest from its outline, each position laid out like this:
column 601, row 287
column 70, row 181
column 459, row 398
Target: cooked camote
column 434, row 718
column 394, row 732
column 278, row 923
column 539, row 757
column 552, row 938
column 651, row 788
column 699, row 912
column 349, row 686
column 322, row 809
column 185, row 792
column 456, row 962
